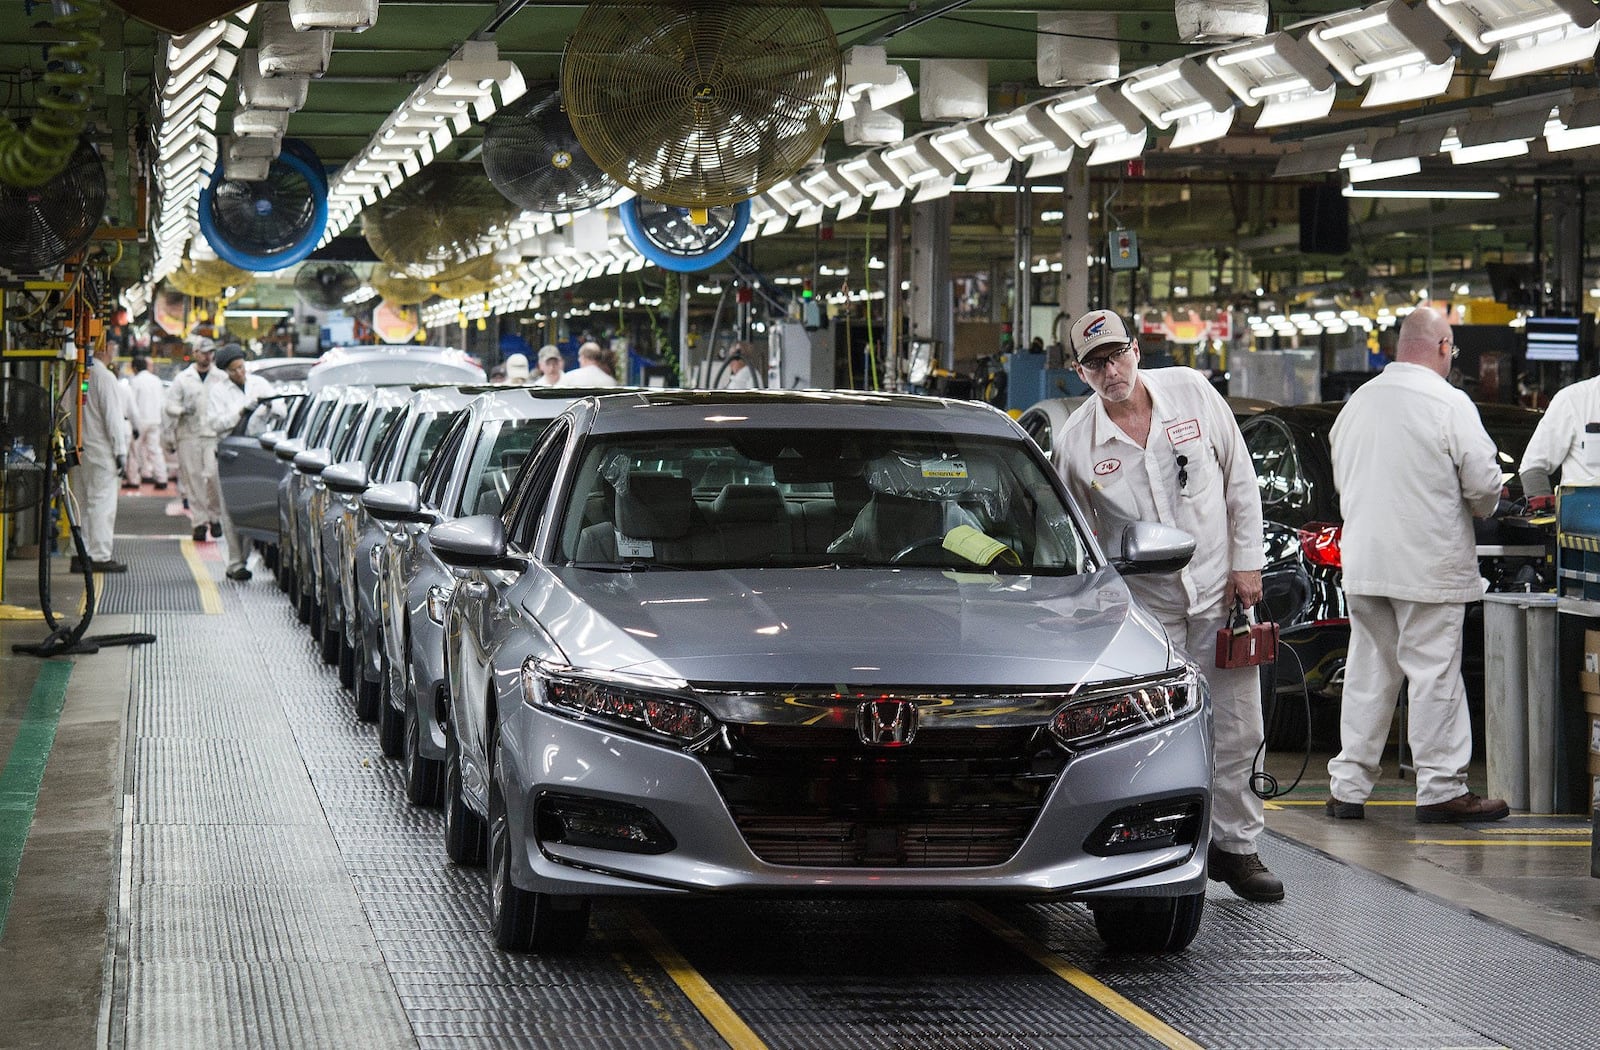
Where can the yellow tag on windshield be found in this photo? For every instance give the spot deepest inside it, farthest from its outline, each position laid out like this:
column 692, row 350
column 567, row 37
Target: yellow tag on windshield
column 964, row 541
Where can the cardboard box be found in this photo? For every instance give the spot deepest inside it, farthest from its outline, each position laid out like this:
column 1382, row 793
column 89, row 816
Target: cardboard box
column 1591, row 703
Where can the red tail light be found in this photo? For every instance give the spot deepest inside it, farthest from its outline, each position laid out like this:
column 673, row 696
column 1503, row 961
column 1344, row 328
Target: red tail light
column 1319, row 541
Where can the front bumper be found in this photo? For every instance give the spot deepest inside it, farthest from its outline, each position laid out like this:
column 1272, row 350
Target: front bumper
column 548, row 753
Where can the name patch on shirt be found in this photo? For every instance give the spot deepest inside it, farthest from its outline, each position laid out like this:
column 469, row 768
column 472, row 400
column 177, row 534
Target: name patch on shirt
column 1188, row 430
column 1107, row 466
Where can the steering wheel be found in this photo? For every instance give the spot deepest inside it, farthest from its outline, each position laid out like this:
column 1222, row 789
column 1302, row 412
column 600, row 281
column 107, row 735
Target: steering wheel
column 916, row 545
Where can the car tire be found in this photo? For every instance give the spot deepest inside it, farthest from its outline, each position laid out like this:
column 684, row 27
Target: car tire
column 423, row 776
column 521, row 920
column 1149, row 925
column 465, row 833
column 347, row 663
column 302, row 602
column 391, row 728
column 327, row 635
column 368, row 694
column 269, row 556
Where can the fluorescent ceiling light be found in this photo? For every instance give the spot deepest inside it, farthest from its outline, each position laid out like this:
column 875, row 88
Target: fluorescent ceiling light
column 1182, row 94
column 1289, row 80
column 1388, row 169
column 1399, row 51
column 1102, row 121
column 1532, row 35
column 1575, row 127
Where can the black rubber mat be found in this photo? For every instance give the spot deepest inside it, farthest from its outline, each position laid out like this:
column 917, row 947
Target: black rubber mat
column 281, row 893
column 158, row 579
column 146, row 515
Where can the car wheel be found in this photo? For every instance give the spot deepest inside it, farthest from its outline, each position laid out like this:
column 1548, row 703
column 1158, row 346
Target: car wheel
column 391, row 727
column 347, row 663
column 465, row 834
column 422, row 774
column 327, row 634
column 302, row 601
column 1149, row 924
column 368, row 694
column 519, row 919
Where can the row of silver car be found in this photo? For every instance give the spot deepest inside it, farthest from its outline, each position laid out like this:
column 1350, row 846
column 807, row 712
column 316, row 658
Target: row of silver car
column 662, row 642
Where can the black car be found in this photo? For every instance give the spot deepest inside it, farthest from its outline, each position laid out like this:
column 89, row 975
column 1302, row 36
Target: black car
column 1291, row 450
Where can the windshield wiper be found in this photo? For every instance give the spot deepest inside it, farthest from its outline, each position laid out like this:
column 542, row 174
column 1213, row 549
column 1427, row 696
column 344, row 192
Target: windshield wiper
column 627, row 566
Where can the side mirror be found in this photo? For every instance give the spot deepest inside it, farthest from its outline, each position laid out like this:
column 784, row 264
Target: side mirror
column 1149, row 547
column 312, row 461
column 398, row 501
column 270, row 439
column 288, row 449
column 478, row 542
column 348, row 478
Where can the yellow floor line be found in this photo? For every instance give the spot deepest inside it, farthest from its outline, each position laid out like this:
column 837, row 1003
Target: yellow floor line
column 1117, row 1003
column 210, row 598
column 1500, row 842
column 713, row 1007
column 1535, row 831
column 19, row 612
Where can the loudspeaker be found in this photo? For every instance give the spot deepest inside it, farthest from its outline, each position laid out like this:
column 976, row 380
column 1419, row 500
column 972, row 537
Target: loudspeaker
column 1324, row 220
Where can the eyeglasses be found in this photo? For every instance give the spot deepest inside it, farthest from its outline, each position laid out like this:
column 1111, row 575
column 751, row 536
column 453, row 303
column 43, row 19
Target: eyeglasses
column 1098, row 364
column 1455, row 351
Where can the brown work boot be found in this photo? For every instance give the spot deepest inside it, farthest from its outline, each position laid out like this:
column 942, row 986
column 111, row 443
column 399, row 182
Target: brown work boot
column 1463, row 809
column 1245, row 875
column 1342, row 810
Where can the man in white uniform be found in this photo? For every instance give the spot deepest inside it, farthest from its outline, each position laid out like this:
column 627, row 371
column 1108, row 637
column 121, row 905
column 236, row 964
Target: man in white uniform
column 1413, row 465
column 1163, row 446
column 147, row 462
column 188, row 399
column 738, row 376
column 551, row 367
column 1555, row 444
column 102, row 448
column 228, row 401
column 589, row 373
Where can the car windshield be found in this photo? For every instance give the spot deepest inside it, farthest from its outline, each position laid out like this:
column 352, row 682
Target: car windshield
column 502, row 446
column 772, row 498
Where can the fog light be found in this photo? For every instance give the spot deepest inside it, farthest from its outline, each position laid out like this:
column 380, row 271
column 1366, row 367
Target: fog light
column 1152, row 825
column 600, row 824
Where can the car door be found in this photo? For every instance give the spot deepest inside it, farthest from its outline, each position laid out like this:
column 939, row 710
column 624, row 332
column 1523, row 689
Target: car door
column 250, row 474
column 484, row 612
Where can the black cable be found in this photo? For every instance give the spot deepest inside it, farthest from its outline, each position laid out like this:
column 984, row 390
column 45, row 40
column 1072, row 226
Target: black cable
column 1262, row 783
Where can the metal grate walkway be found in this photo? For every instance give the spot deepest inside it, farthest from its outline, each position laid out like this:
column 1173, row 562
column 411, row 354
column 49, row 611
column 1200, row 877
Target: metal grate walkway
column 279, row 892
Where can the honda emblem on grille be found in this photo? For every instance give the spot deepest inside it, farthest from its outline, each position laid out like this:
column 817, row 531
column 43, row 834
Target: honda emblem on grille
column 886, row 723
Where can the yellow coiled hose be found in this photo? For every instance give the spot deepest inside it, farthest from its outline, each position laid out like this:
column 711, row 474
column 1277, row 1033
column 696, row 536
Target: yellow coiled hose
column 34, row 155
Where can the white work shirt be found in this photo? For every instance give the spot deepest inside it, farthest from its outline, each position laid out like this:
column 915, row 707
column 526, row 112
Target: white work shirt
column 744, row 379
column 1117, row 482
column 188, row 399
column 587, row 376
column 1413, row 465
column 1555, row 440
column 228, row 401
column 105, row 433
column 147, row 394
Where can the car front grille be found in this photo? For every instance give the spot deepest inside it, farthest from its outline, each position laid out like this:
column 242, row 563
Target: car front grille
column 818, row 797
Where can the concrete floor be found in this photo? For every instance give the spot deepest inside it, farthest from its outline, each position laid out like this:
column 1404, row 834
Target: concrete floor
column 1529, row 873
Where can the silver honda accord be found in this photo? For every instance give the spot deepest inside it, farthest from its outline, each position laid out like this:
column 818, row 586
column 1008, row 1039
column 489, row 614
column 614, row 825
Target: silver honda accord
column 805, row 644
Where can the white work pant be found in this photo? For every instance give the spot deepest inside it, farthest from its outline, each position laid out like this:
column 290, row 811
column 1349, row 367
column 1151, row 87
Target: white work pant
column 238, row 546
column 1237, row 815
column 146, row 458
column 197, row 462
column 94, row 485
column 1418, row 643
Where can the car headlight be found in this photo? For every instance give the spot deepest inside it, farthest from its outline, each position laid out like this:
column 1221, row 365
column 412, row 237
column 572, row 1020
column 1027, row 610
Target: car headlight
column 625, row 701
column 438, row 602
column 1101, row 716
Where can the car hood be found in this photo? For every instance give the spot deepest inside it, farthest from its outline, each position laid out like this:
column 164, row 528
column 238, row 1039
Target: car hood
column 851, row 627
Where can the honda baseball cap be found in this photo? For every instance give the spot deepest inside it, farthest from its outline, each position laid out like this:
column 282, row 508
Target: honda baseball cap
column 1098, row 328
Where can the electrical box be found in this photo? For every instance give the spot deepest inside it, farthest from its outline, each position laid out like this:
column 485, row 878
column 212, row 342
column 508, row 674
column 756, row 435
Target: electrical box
column 1122, row 251
column 796, row 361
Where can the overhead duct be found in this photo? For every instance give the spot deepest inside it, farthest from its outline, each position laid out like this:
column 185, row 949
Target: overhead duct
column 259, row 92
column 1077, row 49
column 875, row 127
column 345, row 16
column 954, row 88
column 286, row 52
column 1216, row 21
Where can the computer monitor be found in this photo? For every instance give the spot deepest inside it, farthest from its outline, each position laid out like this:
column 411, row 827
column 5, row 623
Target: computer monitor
column 1560, row 339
